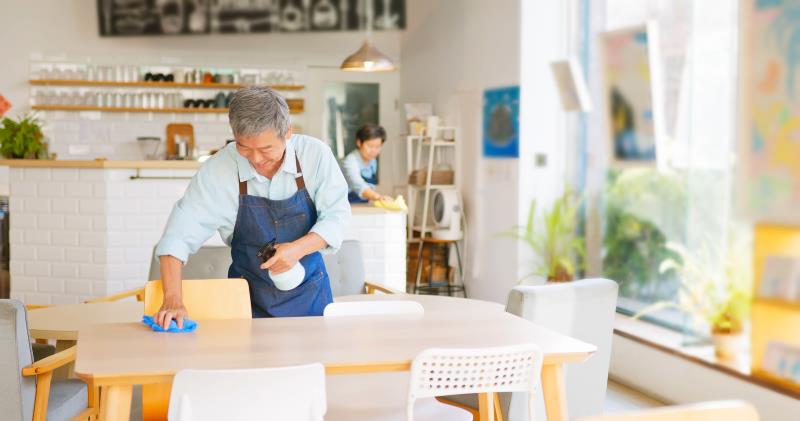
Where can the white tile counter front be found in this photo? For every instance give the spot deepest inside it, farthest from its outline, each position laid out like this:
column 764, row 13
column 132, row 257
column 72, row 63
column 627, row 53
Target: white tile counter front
column 82, row 231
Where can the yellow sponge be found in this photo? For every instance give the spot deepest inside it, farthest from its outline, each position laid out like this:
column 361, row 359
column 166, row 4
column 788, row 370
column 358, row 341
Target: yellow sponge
column 398, row 204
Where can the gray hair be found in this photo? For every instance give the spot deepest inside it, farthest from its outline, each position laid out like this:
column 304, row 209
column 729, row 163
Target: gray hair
column 255, row 109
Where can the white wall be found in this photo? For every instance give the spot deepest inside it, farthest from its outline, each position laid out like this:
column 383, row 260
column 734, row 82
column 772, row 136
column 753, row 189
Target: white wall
column 452, row 51
column 68, row 29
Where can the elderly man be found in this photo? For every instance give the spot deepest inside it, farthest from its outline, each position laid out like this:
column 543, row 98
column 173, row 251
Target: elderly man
column 268, row 185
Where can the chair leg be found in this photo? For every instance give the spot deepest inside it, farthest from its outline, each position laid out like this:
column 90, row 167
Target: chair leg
column 485, row 406
column 42, row 396
column 498, row 409
column 419, row 267
column 460, row 271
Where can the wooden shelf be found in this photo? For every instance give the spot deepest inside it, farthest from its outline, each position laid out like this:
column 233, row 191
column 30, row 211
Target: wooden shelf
column 792, row 305
column 777, row 380
column 294, row 108
column 56, row 82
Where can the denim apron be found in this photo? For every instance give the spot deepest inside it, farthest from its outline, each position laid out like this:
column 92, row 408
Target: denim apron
column 260, row 220
column 353, row 197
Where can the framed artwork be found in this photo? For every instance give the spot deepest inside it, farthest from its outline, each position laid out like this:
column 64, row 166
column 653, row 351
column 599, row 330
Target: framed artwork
column 633, row 93
column 192, row 17
column 781, row 278
column 501, row 122
column 769, row 148
column 571, row 85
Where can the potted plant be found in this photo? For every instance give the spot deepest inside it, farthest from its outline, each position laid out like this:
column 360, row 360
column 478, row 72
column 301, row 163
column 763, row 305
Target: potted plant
column 718, row 299
column 22, row 138
column 558, row 244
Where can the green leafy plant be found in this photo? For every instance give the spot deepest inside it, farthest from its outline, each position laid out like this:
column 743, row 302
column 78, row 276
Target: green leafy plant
column 643, row 210
column 22, row 138
column 720, row 298
column 558, row 245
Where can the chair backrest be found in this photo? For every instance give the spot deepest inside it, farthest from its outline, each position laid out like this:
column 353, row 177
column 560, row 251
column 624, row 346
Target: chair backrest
column 584, row 310
column 205, row 299
column 210, row 262
column 374, row 308
column 346, row 269
column 287, row 393
column 18, row 392
column 445, row 372
column 706, row 411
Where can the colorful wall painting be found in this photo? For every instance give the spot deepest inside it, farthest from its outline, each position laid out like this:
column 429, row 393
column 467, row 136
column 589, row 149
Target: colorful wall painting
column 770, row 186
column 501, row 122
column 632, row 93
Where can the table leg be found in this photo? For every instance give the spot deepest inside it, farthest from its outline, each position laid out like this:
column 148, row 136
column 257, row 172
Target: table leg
column 115, row 402
column 485, row 403
column 554, row 391
column 67, row 371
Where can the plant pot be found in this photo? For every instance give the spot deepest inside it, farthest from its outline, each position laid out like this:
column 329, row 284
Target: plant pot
column 561, row 275
column 728, row 346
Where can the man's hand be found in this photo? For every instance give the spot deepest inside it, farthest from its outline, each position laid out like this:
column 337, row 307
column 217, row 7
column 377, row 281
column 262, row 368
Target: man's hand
column 286, row 256
column 171, row 310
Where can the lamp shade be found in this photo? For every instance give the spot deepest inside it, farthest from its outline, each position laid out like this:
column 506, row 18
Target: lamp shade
column 368, row 59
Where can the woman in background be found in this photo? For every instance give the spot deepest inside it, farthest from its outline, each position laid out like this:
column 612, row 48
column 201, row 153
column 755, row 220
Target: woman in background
column 360, row 166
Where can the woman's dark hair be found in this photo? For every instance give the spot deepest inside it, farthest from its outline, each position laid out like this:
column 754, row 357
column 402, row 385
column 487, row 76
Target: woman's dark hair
column 371, row 131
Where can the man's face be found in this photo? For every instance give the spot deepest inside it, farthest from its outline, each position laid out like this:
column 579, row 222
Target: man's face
column 263, row 150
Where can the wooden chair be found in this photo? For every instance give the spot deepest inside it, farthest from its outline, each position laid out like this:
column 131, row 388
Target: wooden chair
column 707, row 411
column 205, row 299
column 286, row 393
column 29, row 391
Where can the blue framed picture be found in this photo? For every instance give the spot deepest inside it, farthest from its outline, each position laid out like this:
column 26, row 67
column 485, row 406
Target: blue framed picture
column 501, row 122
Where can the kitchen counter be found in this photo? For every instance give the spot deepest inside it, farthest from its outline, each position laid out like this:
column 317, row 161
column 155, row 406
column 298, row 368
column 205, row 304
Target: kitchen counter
column 99, row 163
column 82, row 229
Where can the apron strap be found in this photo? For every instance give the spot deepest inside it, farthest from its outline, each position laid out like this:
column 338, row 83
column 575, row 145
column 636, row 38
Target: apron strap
column 301, row 183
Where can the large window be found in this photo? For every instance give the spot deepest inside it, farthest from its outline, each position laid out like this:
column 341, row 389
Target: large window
column 684, row 198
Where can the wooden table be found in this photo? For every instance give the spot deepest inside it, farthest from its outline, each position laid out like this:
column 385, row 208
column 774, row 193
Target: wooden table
column 63, row 322
column 115, row 357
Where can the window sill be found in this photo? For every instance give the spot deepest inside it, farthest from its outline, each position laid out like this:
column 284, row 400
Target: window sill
column 671, row 342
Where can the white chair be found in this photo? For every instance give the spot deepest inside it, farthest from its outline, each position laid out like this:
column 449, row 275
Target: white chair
column 209, row 262
column 287, row 393
column 707, row 411
column 582, row 309
column 374, row 308
column 442, row 372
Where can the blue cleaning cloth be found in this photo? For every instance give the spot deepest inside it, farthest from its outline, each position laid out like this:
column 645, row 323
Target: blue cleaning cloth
column 188, row 325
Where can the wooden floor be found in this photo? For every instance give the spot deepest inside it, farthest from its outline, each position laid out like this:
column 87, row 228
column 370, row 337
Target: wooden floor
column 619, row 398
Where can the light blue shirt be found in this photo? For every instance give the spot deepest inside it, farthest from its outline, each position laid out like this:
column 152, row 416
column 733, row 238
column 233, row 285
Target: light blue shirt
column 211, row 201
column 356, row 171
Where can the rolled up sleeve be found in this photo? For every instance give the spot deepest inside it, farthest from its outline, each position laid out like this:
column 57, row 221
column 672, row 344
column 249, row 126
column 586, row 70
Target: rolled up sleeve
column 330, row 199
column 194, row 218
column 352, row 174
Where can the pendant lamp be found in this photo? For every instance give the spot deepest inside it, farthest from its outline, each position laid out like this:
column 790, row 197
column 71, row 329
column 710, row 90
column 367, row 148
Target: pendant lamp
column 368, row 58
